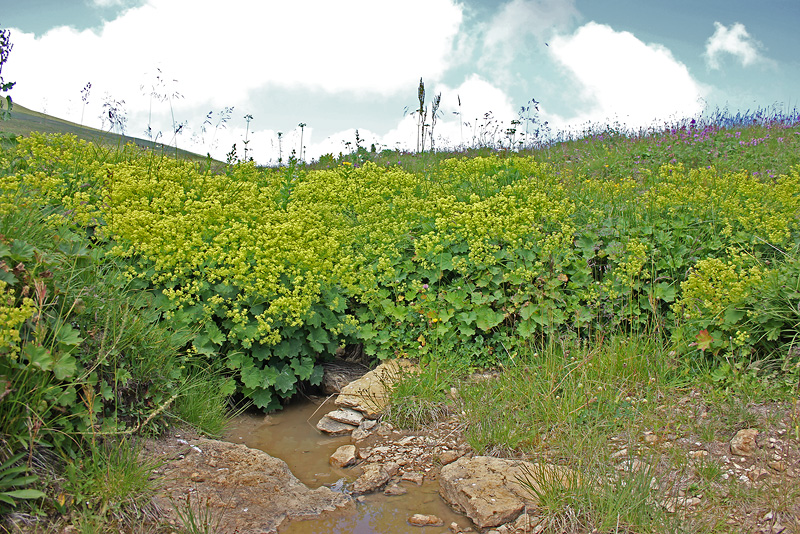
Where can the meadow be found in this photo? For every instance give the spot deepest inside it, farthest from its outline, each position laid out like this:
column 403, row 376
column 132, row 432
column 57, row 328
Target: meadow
column 602, row 274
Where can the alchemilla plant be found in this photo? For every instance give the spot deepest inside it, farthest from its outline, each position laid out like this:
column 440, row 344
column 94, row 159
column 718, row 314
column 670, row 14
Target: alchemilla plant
column 272, row 269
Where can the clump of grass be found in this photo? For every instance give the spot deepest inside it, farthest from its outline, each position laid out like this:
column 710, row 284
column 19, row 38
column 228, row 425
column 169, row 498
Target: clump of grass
column 204, row 401
column 422, row 398
column 566, row 392
column 600, row 500
column 109, row 486
column 196, row 516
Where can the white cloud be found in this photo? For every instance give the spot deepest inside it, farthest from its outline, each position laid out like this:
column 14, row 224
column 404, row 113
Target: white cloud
column 520, row 18
column 515, row 22
column 220, row 55
column 734, row 41
column 621, row 78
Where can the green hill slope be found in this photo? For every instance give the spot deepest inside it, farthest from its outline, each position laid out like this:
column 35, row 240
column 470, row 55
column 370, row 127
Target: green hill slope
column 23, row 121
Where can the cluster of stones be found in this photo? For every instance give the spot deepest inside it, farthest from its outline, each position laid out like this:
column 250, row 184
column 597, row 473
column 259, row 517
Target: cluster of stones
column 485, row 489
column 742, row 457
column 362, row 401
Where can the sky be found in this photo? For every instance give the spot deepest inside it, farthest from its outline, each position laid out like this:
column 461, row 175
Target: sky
column 243, row 71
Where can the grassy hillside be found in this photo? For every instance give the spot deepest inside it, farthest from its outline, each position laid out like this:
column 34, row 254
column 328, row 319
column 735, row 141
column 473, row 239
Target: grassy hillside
column 606, row 276
column 23, row 121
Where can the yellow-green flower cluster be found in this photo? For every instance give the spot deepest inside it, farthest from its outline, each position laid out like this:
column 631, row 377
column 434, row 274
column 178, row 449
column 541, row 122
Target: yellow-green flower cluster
column 714, row 285
column 12, row 317
column 732, row 201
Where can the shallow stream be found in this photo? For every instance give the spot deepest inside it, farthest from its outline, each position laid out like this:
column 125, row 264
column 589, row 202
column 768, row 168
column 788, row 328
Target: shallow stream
column 292, row 436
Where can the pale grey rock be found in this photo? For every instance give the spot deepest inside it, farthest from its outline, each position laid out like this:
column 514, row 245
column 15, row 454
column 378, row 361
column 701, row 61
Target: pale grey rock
column 414, row 477
column 374, row 478
column 344, row 456
column 494, row 491
column 347, row 416
column 370, row 393
column 395, row 489
column 334, row 428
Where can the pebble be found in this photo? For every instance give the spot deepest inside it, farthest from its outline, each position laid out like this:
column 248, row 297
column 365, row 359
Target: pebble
column 424, row 520
column 744, row 442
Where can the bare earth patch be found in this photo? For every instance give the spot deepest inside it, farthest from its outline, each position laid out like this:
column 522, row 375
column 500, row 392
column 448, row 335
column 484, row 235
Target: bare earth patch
column 232, row 488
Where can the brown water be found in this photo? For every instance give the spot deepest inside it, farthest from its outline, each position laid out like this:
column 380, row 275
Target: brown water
column 292, row 436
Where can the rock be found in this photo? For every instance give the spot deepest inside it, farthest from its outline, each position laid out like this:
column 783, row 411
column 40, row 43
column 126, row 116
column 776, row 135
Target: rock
column 392, row 468
column 394, row 489
column 334, row 428
column 744, row 442
column 757, row 474
column 777, row 466
column 414, row 477
column 260, row 487
column 364, row 430
column 358, row 435
column 448, row 457
column 384, row 430
column 489, row 490
column 527, row 524
column 423, row 520
column 370, row 393
column 374, row 477
column 632, row 466
column 368, row 424
column 344, row 456
column 347, row 416
column 672, row 505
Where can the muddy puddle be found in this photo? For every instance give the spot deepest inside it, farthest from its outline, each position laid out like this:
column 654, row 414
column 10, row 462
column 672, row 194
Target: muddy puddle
column 292, row 436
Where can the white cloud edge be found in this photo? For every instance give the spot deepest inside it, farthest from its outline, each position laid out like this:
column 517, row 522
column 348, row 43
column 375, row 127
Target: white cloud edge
column 734, row 41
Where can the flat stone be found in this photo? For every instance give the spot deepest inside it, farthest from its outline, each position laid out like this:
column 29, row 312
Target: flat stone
column 374, row 477
column 528, row 524
column 494, row 491
column 359, row 435
column 414, row 477
column 448, row 457
column 744, row 442
column 778, row 466
column 370, row 393
column 392, row 468
column 347, row 416
column 395, row 489
column 364, row 430
column 424, row 520
column 334, row 428
column 344, row 456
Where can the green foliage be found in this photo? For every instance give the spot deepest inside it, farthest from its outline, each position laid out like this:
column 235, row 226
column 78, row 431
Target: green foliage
column 606, row 501
column 421, row 398
column 203, row 400
column 82, row 352
column 13, row 479
column 110, row 485
column 479, row 258
column 196, row 516
column 563, row 390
